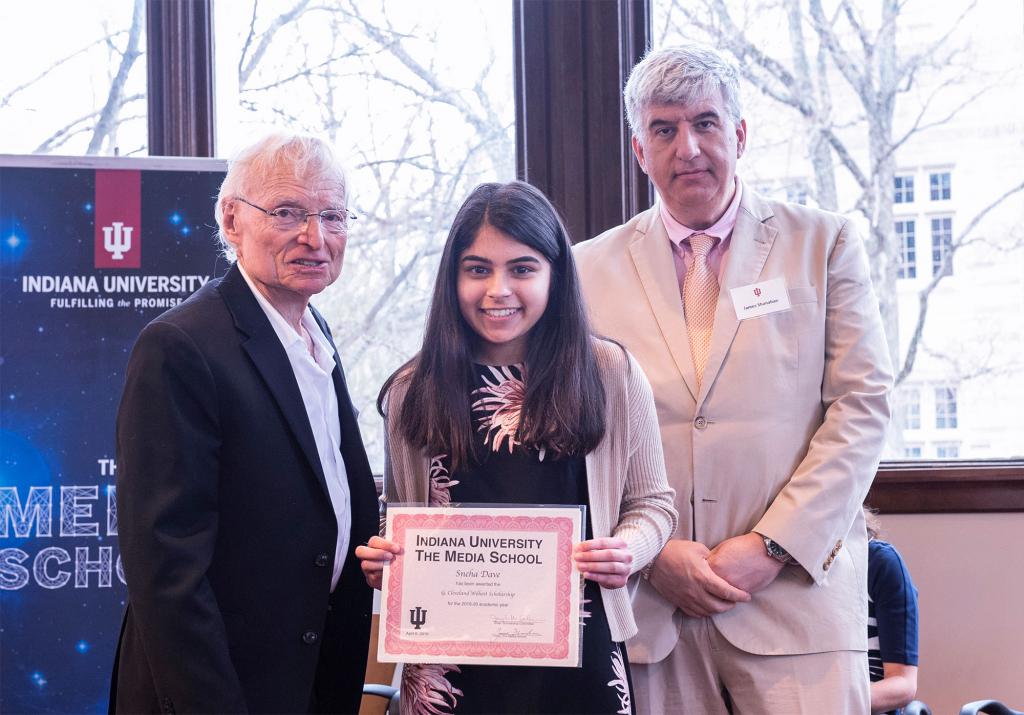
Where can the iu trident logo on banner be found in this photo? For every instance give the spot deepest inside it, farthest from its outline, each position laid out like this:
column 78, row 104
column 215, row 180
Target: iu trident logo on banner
column 118, row 219
column 117, row 240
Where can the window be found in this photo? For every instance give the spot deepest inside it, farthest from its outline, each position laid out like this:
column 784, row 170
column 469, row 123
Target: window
column 903, row 189
column 79, row 87
column 905, row 231
column 945, row 408
column 911, row 217
column 416, row 123
column 939, row 185
column 797, row 194
column 942, row 245
column 947, row 450
column 910, row 407
column 911, row 451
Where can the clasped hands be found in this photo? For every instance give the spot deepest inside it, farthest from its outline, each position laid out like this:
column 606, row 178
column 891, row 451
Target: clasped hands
column 606, row 561
column 702, row 581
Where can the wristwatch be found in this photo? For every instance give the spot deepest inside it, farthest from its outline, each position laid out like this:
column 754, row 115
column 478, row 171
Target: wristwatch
column 776, row 551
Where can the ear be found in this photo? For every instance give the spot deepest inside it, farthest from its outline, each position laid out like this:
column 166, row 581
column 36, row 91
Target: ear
column 638, row 150
column 741, row 137
column 229, row 221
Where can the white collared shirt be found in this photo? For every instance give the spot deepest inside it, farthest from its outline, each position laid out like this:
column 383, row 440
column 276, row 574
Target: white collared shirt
column 321, row 402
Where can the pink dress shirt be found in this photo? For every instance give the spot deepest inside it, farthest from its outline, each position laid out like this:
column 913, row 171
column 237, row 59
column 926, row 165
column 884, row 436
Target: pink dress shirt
column 679, row 235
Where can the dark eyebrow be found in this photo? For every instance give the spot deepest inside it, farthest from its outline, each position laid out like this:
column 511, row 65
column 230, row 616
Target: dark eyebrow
column 488, row 261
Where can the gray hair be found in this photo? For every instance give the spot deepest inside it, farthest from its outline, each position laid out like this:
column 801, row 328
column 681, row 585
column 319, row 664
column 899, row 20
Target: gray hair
column 681, row 75
column 304, row 157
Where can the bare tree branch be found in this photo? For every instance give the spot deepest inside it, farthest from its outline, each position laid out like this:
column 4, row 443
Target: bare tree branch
column 6, row 99
column 940, row 274
column 107, row 123
column 248, row 65
column 78, row 126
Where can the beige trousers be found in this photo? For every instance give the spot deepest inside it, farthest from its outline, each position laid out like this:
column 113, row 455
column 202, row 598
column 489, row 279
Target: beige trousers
column 705, row 671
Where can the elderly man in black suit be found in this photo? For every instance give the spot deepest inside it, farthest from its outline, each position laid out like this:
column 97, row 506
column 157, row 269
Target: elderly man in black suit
column 242, row 485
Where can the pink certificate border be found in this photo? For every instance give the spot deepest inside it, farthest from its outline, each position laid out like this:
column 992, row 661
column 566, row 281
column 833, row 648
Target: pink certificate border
column 555, row 650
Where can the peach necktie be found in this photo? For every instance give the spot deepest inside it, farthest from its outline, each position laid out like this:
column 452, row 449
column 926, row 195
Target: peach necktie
column 700, row 297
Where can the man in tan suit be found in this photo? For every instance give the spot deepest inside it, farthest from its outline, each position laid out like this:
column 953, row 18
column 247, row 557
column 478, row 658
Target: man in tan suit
column 756, row 324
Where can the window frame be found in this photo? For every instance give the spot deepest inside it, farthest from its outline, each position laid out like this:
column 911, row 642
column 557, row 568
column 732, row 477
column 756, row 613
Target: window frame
column 903, row 194
column 597, row 44
column 946, row 399
column 942, row 190
column 907, row 268
column 941, row 243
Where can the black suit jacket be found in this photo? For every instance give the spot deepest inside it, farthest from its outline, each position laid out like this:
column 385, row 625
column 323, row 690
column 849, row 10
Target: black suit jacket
column 226, row 527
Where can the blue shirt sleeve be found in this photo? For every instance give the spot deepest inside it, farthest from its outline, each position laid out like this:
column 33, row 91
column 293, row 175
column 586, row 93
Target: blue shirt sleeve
column 895, row 600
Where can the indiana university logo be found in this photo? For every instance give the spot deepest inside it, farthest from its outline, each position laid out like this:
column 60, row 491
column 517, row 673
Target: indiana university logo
column 117, row 240
column 418, row 616
column 118, row 219
column 757, row 292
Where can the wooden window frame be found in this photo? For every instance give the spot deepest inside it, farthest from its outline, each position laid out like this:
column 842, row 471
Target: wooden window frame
column 571, row 60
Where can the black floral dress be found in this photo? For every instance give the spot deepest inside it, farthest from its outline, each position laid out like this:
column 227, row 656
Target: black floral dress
column 507, row 472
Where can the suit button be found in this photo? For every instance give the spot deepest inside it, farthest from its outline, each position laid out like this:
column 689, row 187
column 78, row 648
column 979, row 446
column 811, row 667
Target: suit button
column 309, row 637
column 322, row 559
column 701, row 422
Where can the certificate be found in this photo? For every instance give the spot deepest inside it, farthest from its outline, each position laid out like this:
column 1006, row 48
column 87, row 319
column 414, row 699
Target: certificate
column 482, row 585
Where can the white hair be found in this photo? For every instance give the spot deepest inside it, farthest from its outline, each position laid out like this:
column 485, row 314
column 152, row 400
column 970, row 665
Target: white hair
column 304, row 157
column 681, row 75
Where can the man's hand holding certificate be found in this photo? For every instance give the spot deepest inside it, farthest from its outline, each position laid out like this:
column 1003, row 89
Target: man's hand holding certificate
column 474, row 585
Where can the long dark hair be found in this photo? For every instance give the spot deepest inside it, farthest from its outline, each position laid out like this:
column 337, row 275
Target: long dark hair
column 563, row 408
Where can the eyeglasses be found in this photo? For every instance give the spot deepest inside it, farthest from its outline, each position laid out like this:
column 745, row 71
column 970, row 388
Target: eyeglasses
column 287, row 218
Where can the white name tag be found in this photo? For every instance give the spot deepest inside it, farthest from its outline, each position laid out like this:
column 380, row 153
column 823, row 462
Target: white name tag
column 757, row 299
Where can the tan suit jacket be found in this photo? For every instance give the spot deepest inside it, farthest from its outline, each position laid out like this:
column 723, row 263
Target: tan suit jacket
column 784, row 435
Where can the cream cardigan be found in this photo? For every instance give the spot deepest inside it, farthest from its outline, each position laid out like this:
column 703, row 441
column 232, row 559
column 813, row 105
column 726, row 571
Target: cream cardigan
column 629, row 492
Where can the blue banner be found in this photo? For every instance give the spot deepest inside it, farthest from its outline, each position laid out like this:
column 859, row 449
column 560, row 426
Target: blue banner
column 90, row 254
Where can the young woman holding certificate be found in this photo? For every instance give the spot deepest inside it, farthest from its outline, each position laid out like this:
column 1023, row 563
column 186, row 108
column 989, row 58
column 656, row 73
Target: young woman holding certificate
column 512, row 400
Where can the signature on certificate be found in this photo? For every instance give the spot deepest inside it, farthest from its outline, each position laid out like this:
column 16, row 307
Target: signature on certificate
column 515, row 627
column 514, row 633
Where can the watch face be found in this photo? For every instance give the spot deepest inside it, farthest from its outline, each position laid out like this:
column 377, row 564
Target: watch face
column 774, row 550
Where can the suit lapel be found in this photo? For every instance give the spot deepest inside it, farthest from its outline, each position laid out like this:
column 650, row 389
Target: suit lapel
column 271, row 361
column 651, row 251
column 749, row 247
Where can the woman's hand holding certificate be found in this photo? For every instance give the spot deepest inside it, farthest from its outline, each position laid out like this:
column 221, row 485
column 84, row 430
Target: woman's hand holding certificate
column 605, row 561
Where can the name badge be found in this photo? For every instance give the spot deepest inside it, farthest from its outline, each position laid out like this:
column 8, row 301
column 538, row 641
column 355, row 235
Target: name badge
column 757, row 299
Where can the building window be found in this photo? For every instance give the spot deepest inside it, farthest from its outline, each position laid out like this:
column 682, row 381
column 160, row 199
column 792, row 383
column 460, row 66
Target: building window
column 905, row 232
column 945, row 408
column 796, row 194
column 903, row 189
column 911, row 451
column 942, row 245
column 947, row 450
column 939, row 184
column 910, row 407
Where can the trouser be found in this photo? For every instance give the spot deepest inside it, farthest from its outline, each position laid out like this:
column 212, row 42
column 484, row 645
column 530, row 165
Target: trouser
column 706, row 675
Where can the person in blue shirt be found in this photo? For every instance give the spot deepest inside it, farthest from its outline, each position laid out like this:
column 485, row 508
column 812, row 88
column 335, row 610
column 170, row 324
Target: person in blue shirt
column 892, row 624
